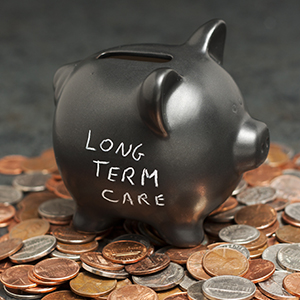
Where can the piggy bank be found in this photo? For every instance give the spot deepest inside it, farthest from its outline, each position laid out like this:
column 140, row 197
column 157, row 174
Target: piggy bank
column 154, row 133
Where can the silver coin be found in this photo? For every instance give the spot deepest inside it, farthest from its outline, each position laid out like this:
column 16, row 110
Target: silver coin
column 237, row 247
column 273, row 287
column 257, row 195
column 9, row 194
column 187, row 281
column 228, row 287
column 287, row 186
column 271, row 254
column 194, row 291
column 289, row 258
column 225, row 216
column 239, row 234
column 33, row 182
column 19, row 294
column 134, row 237
column 34, row 248
column 242, row 185
column 291, row 172
column 122, row 274
column 59, row 254
column 293, row 211
column 162, row 280
column 58, row 208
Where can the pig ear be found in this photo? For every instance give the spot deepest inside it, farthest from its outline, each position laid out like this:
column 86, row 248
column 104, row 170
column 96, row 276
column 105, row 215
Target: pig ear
column 210, row 38
column 154, row 92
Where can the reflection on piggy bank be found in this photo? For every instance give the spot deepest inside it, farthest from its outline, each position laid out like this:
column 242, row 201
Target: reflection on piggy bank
column 154, row 133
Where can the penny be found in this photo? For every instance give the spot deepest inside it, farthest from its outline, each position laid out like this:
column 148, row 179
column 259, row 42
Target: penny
column 261, row 175
column 19, row 294
column 288, row 234
column 29, row 228
column 148, row 265
column 277, row 155
column 61, row 191
column 259, row 270
column 88, row 285
column 5, row 264
column 38, row 281
column 279, row 203
column 124, row 252
column 289, row 220
column 34, row 248
column 293, row 211
column 69, row 235
column 151, row 234
column 257, row 195
column 181, row 255
column 258, row 243
column 259, row 295
column 292, row 284
column 16, row 277
column 120, row 274
column 39, row 164
column 162, row 280
column 256, row 253
column 33, row 182
column 96, row 259
column 133, row 292
column 223, row 217
column 163, row 294
column 134, row 237
column 269, row 231
column 239, row 234
column 225, row 261
column 195, row 265
column 7, row 211
column 291, row 172
column 178, row 296
column 242, row 185
column 273, row 287
column 9, row 194
column 77, row 248
column 187, row 281
column 63, row 295
column 56, row 269
column 213, row 245
column 228, row 287
column 56, row 253
column 10, row 247
column 41, row 289
column 213, row 228
column 11, row 164
column 195, row 291
column 51, row 184
column 289, row 257
column 228, row 204
column 120, row 283
column 237, row 247
column 287, row 187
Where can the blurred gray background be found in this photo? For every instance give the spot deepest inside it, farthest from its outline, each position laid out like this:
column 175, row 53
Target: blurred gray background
column 37, row 37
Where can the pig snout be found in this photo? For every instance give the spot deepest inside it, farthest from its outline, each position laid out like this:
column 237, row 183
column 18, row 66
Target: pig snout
column 252, row 145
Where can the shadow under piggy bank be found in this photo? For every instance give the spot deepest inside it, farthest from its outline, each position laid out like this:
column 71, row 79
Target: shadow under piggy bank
column 154, row 133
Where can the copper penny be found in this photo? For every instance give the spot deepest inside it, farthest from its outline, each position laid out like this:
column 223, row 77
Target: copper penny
column 7, row 211
column 56, row 269
column 41, row 289
column 5, row 264
column 88, row 285
column 10, row 247
column 292, row 284
column 133, row 292
column 289, row 220
column 39, row 164
column 120, row 283
column 256, row 253
column 125, row 252
column 225, row 261
column 178, row 296
column 288, row 234
column 287, row 187
column 61, row 191
column 276, row 156
column 195, row 265
column 213, row 228
column 181, row 255
column 69, row 235
column 96, row 259
column 229, row 203
column 51, row 184
column 269, row 231
column 259, row 216
column 261, row 175
column 11, row 164
column 16, row 277
column 38, row 281
column 259, row 295
column 63, row 295
column 163, row 294
column 148, row 265
column 77, row 248
column 259, row 270
column 258, row 243
column 213, row 245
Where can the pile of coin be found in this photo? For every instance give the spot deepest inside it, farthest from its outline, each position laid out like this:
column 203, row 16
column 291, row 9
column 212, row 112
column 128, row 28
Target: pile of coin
column 251, row 248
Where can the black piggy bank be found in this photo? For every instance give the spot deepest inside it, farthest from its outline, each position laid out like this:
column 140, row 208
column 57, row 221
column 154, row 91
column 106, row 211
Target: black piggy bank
column 154, row 133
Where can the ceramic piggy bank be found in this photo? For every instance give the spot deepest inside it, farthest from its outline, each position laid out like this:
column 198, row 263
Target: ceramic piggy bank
column 154, row 133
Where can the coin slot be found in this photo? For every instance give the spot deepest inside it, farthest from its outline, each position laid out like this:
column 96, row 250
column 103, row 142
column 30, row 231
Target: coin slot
column 137, row 56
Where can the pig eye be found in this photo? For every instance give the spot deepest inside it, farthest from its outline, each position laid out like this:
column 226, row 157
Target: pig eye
column 137, row 56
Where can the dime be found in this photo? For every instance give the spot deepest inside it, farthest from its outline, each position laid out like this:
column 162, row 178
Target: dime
column 88, row 285
column 19, row 294
column 279, row 203
column 187, row 281
column 271, row 254
column 242, row 185
column 124, row 252
column 289, row 257
column 287, row 187
column 288, row 234
column 258, row 243
column 16, row 277
column 133, row 292
column 56, row 269
column 33, row 182
column 195, row 291
column 293, row 211
column 259, row 270
column 225, row 261
column 120, row 274
column 77, row 248
column 63, row 295
column 195, row 265
column 29, row 228
column 257, row 195
column 61, row 191
column 9, row 194
column 34, row 248
column 148, row 265
column 292, row 284
column 259, row 216
column 181, row 255
column 291, row 172
column 228, row 287
column 239, row 234
column 69, row 235
column 237, row 247
column 7, row 211
column 56, row 253
column 273, row 287
column 10, row 247
column 11, row 164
